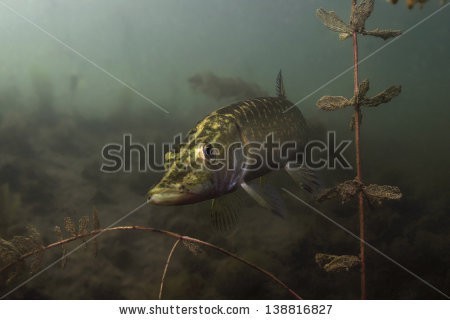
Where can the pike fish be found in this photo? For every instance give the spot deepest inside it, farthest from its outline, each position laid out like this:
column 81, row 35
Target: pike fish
column 244, row 122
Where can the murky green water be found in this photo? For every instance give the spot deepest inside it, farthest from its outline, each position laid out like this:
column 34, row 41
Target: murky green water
column 65, row 76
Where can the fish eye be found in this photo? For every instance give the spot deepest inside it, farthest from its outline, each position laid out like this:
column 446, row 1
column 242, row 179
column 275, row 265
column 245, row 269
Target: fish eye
column 209, row 151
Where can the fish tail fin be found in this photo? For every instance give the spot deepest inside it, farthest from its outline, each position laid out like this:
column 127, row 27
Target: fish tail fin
column 280, row 86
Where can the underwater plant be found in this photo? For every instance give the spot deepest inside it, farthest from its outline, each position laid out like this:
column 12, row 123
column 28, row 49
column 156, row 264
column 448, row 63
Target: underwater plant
column 14, row 253
column 44, row 92
column 9, row 207
column 220, row 88
column 347, row 190
column 17, row 251
column 411, row 3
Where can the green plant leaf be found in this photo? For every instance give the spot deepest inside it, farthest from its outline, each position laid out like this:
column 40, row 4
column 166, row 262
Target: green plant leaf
column 345, row 191
column 335, row 263
column 377, row 194
column 331, row 20
column 383, row 97
column 363, row 88
column 359, row 16
column 70, row 226
column 384, row 34
column 330, row 103
column 83, row 225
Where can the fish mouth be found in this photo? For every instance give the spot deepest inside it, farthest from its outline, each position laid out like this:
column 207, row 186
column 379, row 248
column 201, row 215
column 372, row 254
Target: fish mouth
column 168, row 197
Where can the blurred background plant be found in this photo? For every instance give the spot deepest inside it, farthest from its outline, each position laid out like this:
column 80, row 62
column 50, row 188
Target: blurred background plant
column 9, row 208
column 411, row 3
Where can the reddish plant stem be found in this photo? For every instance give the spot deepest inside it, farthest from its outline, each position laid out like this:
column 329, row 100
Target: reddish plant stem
column 171, row 234
column 163, row 278
column 357, row 127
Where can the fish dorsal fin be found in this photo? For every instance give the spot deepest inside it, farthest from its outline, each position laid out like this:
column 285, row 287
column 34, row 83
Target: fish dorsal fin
column 280, row 86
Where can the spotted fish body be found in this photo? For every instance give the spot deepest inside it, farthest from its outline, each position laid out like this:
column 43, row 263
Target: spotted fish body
column 257, row 118
column 243, row 122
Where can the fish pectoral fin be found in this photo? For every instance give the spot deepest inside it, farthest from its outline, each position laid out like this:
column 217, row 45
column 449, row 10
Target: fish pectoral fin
column 224, row 212
column 304, row 177
column 266, row 197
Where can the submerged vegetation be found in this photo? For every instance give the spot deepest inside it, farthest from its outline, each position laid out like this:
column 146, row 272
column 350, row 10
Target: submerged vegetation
column 412, row 3
column 221, row 88
column 49, row 176
column 9, row 208
column 357, row 188
column 14, row 253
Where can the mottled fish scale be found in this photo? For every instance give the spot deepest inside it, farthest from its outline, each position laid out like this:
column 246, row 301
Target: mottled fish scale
column 245, row 122
column 261, row 116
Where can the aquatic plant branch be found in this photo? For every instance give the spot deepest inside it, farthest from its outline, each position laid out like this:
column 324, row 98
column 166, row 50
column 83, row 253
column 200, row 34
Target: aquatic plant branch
column 251, row 265
column 357, row 128
column 360, row 12
column 169, row 257
column 353, row 235
column 154, row 230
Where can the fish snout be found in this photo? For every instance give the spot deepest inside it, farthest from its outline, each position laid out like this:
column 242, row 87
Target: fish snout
column 170, row 196
column 164, row 198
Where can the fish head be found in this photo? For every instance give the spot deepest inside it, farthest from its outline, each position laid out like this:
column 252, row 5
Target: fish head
column 199, row 170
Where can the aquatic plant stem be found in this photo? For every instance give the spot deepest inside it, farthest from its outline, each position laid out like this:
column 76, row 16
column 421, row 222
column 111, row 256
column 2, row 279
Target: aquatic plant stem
column 166, row 267
column 154, row 230
column 357, row 128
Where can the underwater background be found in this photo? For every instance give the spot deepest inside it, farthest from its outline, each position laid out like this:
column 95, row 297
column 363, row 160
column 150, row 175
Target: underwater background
column 57, row 111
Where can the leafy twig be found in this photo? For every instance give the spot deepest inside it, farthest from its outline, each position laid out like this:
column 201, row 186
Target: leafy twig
column 357, row 123
column 159, row 231
column 335, row 263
